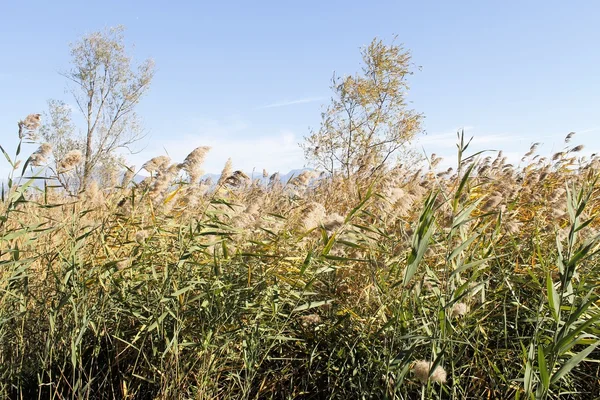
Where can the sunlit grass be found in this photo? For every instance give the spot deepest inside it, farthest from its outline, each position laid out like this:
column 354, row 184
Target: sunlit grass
column 479, row 283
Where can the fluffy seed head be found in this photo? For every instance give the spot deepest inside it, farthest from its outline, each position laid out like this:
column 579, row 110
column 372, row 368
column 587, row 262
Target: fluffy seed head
column 156, row 163
column 312, row 319
column 577, row 148
column 121, row 265
column 569, row 136
column 70, row 160
column 421, row 369
column 226, row 173
column 459, row 310
column 127, row 176
column 304, row 178
column 492, row 203
column 163, row 180
column 38, row 158
column 534, row 146
column 141, row 236
column 193, row 162
column 237, row 178
column 29, row 126
column 513, row 227
column 274, row 180
column 313, row 215
column 333, row 222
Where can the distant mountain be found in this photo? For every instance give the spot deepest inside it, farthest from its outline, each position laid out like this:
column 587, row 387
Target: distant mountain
column 284, row 178
column 293, row 173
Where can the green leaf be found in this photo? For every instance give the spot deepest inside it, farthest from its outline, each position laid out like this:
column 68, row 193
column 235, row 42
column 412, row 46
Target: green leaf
column 182, row 291
column 553, row 299
column 6, row 155
column 464, row 179
column 527, row 379
column 360, row 205
column 573, row 362
column 329, row 244
column 462, row 246
column 569, row 340
column 307, row 262
column 462, row 217
column 421, row 238
column 544, row 374
column 472, row 264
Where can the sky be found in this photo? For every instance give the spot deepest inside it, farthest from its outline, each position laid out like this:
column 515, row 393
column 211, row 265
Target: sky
column 250, row 79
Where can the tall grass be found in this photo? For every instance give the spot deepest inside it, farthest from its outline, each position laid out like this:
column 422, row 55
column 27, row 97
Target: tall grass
column 420, row 284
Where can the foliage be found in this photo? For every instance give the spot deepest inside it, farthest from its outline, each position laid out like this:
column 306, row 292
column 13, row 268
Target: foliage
column 106, row 88
column 267, row 289
column 367, row 121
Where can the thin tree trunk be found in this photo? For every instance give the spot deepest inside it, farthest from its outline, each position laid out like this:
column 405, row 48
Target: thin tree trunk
column 88, row 150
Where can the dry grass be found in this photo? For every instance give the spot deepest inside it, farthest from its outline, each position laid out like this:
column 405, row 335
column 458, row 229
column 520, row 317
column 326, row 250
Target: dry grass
column 315, row 288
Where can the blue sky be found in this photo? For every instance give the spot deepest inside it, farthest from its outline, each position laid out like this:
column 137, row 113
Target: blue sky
column 250, row 78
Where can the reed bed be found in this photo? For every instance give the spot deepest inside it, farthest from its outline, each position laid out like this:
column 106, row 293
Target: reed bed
column 478, row 282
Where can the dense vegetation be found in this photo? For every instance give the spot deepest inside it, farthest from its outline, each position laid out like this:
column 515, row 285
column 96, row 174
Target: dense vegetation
column 478, row 282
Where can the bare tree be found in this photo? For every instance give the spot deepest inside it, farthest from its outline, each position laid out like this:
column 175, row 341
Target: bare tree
column 367, row 120
column 106, row 88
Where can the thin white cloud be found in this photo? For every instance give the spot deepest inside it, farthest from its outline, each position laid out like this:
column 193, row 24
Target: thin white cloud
column 450, row 139
column 278, row 151
column 590, row 130
column 293, row 102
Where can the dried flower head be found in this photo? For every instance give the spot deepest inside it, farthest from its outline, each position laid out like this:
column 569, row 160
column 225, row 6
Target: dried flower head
column 92, row 193
column 492, row 203
column 459, row 310
column 436, row 162
column 141, row 236
column 534, row 147
column 121, row 265
column 513, row 227
column 163, row 181
column 193, row 162
column 39, row 157
column 128, row 176
column 313, row 215
column 446, row 172
column 569, row 136
column 156, row 164
column 312, row 319
column 577, row 148
column 306, row 177
column 333, row 221
column 237, row 178
column 225, row 173
column 422, row 368
column 29, row 126
column 72, row 159
column 274, row 180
